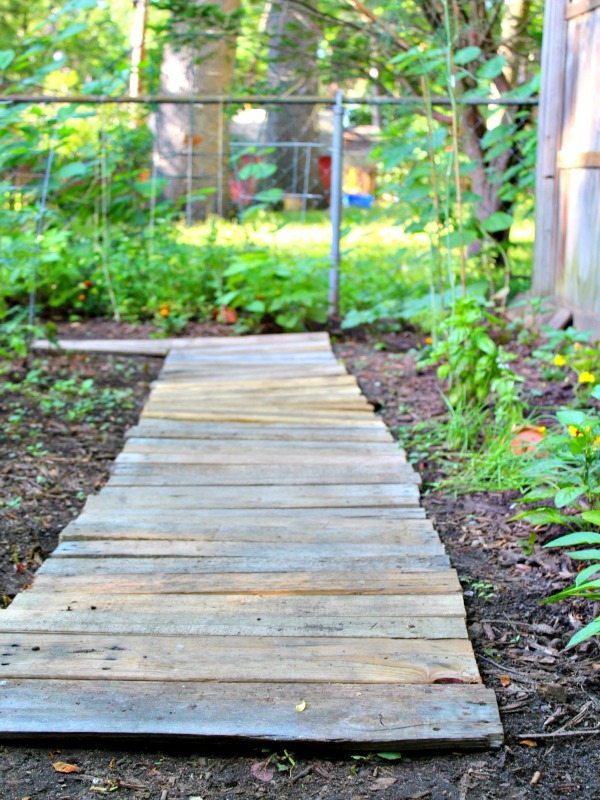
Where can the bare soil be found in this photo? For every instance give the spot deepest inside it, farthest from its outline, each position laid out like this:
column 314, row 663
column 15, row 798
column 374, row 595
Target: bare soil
column 549, row 698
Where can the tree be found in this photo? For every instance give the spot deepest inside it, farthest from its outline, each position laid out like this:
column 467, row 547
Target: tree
column 293, row 39
column 192, row 140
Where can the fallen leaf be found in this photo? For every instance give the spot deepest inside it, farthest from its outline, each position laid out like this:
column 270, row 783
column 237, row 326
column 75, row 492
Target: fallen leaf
column 381, row 783
column 62, row 766
column 261, row 772
column 301, row 705
column 528, row 743
column 504, row 680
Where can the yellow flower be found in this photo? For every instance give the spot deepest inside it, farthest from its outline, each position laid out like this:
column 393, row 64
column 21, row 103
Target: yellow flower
column 573, row 431
column 560, row 361
column 542, row 429
column 587, row 377
column 596, row 441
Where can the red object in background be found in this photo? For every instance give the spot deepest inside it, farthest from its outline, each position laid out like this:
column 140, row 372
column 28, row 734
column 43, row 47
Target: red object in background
column 325, row 172
column 242, row 191
column 527, row 440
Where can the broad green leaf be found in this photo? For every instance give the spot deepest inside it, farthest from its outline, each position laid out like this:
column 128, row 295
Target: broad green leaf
column 255, row 307
column 73, row 170
column 542, row 516
column 586, row 573
column 492, row 68
column 593, row 629
column 584, row 555
column 6, row 58
column 269, row 195
column 591, row 516
column 498, row 221
column 570, row 539
column 567, row 496
column 486, row 344
column 259, row 169
column 466, row 55
column 570, row 417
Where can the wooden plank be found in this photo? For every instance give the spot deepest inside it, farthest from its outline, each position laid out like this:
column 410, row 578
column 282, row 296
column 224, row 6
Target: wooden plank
column 575, row 9
column 265, row 409
column 196, row 388
column 294, row 496
column 575, row 160
column 248, row 475
column 216, row 516
column 228, row 447
column 247, row 358
column 350, row 616
column 270, row 529
column 162, row 548
column 380, row 581
column 226, row 383
column 255, row 372
column 144, row 566
column 180, row 429
column 292, row 417
column 236, row 659
column 546, row 256
column 241, row 455
column 161, row 347
column 319, row 406
column 359, row 716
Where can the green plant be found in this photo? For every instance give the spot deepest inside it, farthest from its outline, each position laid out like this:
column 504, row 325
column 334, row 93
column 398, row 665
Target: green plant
column 258, row 284
column 587, row 582
column 475, row 368
column 569, row 475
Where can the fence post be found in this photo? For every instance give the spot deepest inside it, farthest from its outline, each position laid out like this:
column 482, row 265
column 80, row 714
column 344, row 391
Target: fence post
column 335, row 202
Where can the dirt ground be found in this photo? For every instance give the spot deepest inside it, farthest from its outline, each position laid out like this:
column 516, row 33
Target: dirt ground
column 549, row 698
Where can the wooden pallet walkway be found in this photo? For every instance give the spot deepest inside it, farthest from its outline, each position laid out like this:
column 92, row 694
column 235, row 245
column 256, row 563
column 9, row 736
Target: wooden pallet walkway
column 258, row 567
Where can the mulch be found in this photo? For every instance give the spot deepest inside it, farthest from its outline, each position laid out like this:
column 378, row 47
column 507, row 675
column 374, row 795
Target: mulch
column 549, row 698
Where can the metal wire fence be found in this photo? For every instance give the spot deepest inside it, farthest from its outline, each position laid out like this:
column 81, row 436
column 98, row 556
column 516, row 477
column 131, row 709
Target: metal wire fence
column 222, row 155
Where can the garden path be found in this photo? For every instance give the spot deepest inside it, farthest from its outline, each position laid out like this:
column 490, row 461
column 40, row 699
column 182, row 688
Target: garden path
column 258, row 567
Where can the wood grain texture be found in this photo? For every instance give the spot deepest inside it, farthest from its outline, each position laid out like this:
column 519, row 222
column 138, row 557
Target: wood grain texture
column 165, row 565
column 180, row 429
column 259, row 542
column 378, row 581
column 237, row 549
column 349, row 715
column 230, row 497
column 247, row 475
column 355, row 616
column 347, row 530
column 240, row 659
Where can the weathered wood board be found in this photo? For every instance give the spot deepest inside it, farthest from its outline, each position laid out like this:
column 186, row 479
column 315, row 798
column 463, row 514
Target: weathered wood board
column 260, row 542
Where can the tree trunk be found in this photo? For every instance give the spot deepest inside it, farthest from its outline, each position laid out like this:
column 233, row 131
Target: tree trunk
column 293, row 42
column 138, row 37
column 192, row 140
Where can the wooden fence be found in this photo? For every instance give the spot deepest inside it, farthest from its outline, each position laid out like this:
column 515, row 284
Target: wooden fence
column 567, row 259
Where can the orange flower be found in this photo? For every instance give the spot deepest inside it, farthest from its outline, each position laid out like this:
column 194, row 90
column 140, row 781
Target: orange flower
column 82, row 297
column 88, row 284
column 164, row 311
column 428, row 340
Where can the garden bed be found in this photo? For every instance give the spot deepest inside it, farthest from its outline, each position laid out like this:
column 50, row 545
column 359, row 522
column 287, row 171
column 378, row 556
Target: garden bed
column 56, row 448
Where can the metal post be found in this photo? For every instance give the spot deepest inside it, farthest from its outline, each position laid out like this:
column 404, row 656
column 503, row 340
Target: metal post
column 220, row 164
column 190, row 169
column 335, row 203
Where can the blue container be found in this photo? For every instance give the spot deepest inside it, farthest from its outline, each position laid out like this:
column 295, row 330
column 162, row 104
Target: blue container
column 358, row 200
